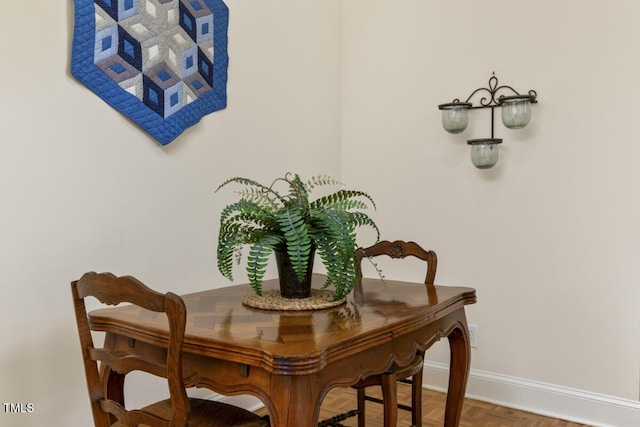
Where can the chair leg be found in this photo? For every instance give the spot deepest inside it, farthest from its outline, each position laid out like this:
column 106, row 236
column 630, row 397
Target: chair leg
column 361, row 414
column 416, row 399
column 390, row 398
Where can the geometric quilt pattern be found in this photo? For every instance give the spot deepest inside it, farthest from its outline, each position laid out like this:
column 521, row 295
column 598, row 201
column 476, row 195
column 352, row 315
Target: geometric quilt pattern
column 162, row 63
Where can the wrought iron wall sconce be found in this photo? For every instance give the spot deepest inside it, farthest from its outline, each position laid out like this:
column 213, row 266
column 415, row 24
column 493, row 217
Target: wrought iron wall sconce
column 516, row 114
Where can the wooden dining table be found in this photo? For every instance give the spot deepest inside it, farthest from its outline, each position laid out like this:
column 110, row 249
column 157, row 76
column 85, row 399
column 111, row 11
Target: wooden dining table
column 289, row 359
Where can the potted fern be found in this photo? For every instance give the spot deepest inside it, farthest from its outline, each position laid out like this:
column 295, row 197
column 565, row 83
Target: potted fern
column 282, row 218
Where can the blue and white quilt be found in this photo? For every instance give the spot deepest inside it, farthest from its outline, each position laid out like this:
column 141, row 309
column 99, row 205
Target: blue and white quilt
column 162, row 63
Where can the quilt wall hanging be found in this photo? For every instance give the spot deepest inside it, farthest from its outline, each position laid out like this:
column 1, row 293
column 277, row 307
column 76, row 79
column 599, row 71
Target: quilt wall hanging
column 162, row 63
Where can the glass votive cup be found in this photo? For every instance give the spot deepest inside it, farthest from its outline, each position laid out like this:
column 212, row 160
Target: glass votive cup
column 455, row 116
column 484, row 152
column 516, row 111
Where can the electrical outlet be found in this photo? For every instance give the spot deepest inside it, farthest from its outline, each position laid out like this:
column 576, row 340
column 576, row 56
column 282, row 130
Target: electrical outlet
column 473, row 335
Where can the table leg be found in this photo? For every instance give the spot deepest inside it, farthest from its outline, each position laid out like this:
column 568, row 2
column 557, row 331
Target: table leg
column 295, row 401
column 459, row 369
column 390, row 397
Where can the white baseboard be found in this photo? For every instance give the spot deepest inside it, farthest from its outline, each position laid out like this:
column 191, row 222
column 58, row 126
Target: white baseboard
column 551, row 400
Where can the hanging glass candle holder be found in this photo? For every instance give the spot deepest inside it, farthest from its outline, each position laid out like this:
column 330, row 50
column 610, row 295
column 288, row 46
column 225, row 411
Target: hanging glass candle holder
column 455, row 116
column 516, row 110
column 516, row 114
column 484, row 152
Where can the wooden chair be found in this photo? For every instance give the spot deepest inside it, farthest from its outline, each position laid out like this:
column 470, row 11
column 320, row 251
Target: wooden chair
column 412, row 373
column 177, row 411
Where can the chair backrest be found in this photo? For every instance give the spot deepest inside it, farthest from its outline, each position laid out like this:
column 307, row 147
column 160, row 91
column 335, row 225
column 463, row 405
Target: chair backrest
column 112, row 290
column 399, row 249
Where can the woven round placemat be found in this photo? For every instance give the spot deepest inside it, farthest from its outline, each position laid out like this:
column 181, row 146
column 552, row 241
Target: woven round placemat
column 271, row 300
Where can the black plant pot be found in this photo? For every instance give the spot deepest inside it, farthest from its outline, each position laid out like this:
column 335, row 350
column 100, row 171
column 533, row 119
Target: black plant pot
column 290, row 286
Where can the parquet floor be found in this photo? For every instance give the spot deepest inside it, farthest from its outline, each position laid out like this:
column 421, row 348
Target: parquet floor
column 474, row 413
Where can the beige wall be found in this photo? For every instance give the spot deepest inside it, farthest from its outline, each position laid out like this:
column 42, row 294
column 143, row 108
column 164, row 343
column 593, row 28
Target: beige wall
column 550, row 237
column 85, row 189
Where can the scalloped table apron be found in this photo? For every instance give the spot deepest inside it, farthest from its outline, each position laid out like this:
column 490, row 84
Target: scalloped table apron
column 162, row 63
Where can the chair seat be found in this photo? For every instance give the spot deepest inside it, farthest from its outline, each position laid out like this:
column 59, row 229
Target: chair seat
column 400, row 372
column 208, row 413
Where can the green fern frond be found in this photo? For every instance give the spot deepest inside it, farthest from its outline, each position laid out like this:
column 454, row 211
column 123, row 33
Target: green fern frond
column 336, row 226
column 246, row 207
column 292, row 226
column 350, row 205
column 258, row 259
column 226, row 249
column 233, row 234
column 260, row 197
column 361, row 219
column 237, row 254
column 321, row 180
column 325, row 248
column 250, row 183
column 347, row 284
column 250, row 221
column 378, row 269
column 337, row 235
column 298, row 194
column 342, row 274
column 339, row 196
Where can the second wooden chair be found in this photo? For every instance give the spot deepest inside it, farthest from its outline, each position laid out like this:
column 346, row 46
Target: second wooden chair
column 412, row 373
